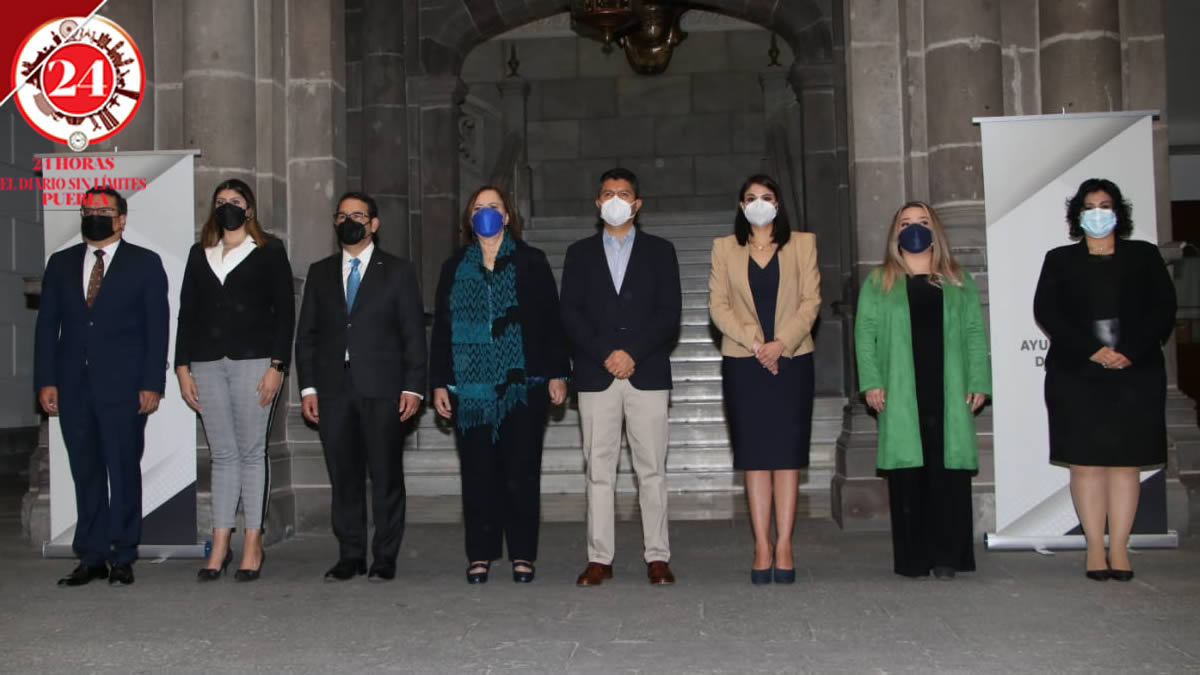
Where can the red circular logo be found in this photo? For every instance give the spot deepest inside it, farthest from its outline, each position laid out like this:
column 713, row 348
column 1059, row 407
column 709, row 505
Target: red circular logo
column 82, row 82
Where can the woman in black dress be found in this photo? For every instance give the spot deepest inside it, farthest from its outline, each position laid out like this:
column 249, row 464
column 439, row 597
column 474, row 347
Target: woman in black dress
column 1108, row 306
column 764, row 295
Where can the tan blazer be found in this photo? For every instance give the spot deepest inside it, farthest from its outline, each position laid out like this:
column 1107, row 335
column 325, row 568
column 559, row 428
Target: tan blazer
column 732, row 306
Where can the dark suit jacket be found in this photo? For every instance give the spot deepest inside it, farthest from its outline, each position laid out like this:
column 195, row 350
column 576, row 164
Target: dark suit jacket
column 250, row 316
column 117, row 347
column 1145, row 306
column 643, row 319
column 385, row 330
column 537, row 305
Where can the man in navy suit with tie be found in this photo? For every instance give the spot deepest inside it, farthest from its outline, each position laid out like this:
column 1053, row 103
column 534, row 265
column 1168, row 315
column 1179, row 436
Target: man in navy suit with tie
column 360, row 361
column 100, row 363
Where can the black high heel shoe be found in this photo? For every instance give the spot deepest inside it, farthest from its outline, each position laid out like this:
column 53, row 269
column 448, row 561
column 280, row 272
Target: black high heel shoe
column 210, row 574
column 783, row 576
column 760, row 577
column 523, row 577
column 478, row 577
column 1119, row 575
column 251, row 575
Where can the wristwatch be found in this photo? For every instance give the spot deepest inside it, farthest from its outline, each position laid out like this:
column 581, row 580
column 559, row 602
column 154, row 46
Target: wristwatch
column 278, row 365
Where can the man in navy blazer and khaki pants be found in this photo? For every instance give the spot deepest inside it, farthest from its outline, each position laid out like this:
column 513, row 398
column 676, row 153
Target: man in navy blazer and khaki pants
column 621, row 303
column 100, row 364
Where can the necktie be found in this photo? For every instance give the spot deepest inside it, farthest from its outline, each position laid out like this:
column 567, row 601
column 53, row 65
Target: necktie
column 94, row 280
column 352, row 283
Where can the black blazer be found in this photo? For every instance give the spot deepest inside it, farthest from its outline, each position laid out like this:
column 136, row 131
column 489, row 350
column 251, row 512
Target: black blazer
column 643, row 320
column 116, row 348
column 1145, row 305
column 537, row 305
column 385, row 330
column 250, row 316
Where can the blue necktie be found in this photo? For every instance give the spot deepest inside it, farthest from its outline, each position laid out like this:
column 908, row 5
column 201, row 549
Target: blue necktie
column 352, row 283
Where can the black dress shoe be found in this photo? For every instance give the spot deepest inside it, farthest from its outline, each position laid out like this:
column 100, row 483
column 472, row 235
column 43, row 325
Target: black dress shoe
column 522, row 576
column 247, row 574
column 1120, row 575
column 346, row 569
column 210, row 574
column 121, row 574
column 382, row 570
column 83, row 574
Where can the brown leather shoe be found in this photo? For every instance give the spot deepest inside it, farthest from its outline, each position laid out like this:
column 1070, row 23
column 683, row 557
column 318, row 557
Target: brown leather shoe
column 660, row 573
column 594, row 574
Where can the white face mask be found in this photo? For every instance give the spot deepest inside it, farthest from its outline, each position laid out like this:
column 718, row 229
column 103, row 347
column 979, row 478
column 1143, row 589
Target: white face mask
column 760, row 213
column 616, row 211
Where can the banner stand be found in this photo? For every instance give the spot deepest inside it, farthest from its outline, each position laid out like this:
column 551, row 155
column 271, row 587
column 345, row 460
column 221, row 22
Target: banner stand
column 159, row 187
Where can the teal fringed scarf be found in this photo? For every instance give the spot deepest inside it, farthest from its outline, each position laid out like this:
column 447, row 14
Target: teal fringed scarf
column 485, row 336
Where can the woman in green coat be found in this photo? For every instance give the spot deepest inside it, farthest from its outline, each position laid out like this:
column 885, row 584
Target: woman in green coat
column 923, row 365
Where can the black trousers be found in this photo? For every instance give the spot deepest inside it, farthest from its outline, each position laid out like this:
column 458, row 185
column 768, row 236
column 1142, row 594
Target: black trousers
column 362, row 435
column 931, row 511
column 502, row 481
column 105, row 439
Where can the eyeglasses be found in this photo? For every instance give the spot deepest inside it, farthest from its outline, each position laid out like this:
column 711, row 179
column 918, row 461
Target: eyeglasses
column 357, row 216
column 106, row 211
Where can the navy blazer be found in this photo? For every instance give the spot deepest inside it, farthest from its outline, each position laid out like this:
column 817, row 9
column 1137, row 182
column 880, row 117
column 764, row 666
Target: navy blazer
column 643, row 319
column 384, row 331
column 117, row 347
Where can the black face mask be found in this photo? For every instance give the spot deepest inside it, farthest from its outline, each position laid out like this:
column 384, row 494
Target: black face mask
column 230, row 216
column 350, row 232
column 96, row 228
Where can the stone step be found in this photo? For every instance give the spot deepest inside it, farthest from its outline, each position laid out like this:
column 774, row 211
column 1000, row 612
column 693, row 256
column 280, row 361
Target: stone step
column 695, row 316
column 695, row 351
column 701, row 334
column 696, row 299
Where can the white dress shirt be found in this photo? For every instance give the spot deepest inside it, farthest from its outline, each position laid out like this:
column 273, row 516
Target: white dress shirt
column 364, row 261
column 222, row 263
column 617, row 252
column 89, row 261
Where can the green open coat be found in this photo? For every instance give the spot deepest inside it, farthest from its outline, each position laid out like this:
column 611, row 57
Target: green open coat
column 883, row 345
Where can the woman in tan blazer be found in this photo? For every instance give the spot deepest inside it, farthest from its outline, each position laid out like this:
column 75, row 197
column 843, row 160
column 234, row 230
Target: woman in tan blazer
column 764, row 295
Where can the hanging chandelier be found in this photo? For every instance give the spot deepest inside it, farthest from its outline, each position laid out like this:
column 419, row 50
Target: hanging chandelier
column 647, row 31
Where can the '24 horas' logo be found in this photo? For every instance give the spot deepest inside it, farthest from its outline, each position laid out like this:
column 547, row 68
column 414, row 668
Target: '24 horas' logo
column 83, row 81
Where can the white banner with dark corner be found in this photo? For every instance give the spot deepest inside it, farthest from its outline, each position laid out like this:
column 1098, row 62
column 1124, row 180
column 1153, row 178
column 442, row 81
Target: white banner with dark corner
column 1031, row 167
column 159, row 187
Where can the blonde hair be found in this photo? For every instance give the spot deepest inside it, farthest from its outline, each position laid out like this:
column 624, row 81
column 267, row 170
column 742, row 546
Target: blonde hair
column 942, row 268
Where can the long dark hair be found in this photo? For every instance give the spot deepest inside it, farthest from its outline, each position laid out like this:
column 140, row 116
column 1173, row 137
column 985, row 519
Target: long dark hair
column 467, row 233
column 1122, row 208
column 742, row 227
column 210, row 234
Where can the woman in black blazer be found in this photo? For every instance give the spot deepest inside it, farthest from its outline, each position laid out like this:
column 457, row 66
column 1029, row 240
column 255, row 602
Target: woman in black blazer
column 1108, row 306
column 236, row 316
column 498, row 359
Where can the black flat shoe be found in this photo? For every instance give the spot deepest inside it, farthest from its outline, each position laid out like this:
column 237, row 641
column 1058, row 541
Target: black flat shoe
column 943, row 572
column 346, row 569
column 382, row 570
column 523, row 577
column 760, row 577
column 1097, row 575
column 121, row 574
column 83, row 574
column 1119, row 575
column 245, row 574
column 478, row 577
column 210, row 574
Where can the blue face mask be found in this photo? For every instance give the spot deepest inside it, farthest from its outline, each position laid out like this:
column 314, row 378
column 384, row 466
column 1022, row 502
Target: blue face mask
column 916, row 238
column 1098, row 223
column 487, row 222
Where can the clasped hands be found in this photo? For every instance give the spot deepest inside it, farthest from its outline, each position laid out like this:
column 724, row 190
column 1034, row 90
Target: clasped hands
column 1111, row 358
column 557, row 389
column 619, row 364
column 768, row 355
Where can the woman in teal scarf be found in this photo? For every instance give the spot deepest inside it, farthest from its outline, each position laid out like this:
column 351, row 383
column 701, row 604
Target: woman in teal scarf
column 923, row 365
column 498, row 360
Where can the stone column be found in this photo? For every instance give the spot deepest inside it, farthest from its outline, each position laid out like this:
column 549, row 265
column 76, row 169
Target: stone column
column 514, row 96
column 384, row 150
column 1080, row 57
column 137, row 18
column 782, row 123
column 218, row 92
column 438, row 98
column 962, row 80
column 168, row 74
column 1019, row 48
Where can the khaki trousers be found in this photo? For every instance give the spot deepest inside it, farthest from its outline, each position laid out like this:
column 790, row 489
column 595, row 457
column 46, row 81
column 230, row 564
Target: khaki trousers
column 645, row 416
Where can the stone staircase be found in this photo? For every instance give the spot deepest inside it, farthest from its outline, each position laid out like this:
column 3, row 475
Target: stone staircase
column 699, row 459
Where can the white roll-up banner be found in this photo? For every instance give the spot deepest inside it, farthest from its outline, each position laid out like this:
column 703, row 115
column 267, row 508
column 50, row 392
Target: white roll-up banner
column 1031, row 167
column 159, row 188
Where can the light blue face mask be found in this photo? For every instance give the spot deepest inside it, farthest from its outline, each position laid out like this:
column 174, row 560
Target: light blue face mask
column 1098, row 223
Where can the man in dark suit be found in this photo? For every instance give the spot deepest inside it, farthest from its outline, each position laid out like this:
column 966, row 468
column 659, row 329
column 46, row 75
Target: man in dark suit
column 360, row 343
column 621, row 303
column 100, row 363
